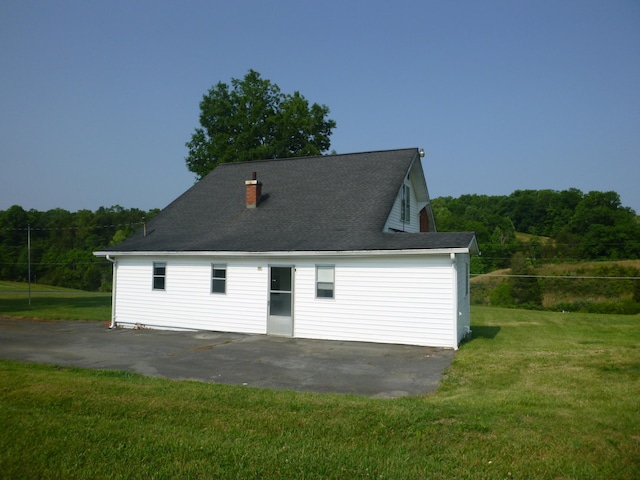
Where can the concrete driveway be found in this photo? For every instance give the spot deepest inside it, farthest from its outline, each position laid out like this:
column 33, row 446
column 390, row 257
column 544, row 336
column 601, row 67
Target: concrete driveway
column 322, row 366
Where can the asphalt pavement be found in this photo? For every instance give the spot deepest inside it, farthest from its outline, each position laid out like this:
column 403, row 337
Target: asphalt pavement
column 262, row 361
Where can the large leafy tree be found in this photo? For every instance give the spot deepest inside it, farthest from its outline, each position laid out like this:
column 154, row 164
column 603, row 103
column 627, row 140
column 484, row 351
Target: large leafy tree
column 253, row 120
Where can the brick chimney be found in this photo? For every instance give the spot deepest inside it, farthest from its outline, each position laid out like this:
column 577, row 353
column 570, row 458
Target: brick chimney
column 254, row 191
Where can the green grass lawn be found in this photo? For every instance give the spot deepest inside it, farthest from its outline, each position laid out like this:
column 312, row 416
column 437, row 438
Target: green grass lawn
column 533, row 395
column 53, row 303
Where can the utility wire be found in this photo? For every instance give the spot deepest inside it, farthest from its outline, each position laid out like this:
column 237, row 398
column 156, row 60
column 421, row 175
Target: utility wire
column 89, row 227
column 569, row 277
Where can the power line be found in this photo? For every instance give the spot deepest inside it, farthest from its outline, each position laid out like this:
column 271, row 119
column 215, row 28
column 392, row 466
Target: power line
column 554, row 245
column 89, row 227
column 570, row 277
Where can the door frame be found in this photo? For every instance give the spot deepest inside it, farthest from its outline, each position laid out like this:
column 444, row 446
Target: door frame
column 288, row 322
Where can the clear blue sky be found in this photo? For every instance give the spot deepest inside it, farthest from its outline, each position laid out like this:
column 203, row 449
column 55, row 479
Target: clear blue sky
column 97, row 98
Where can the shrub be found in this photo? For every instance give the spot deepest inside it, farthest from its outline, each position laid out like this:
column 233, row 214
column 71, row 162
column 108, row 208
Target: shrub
column 524, row 290
column 501, row 296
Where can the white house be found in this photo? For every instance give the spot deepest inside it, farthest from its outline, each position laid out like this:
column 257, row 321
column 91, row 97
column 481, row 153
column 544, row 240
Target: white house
column 337, row 247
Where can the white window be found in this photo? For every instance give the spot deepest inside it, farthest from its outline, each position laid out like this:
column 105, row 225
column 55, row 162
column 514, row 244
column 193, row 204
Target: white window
column 159, row 275
column 218, row 278
column 405, row 205
column 325, row 281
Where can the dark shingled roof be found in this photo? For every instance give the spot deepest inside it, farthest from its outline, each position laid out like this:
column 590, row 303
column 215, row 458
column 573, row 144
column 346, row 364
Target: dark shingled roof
column 323, row 203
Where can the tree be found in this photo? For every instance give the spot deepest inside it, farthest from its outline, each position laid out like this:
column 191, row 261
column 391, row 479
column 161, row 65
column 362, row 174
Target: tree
column 253, row 120
column 524, row 286
column 62, row 243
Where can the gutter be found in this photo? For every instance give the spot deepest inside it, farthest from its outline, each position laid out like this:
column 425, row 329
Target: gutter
column 294, row 253
column 113, row 290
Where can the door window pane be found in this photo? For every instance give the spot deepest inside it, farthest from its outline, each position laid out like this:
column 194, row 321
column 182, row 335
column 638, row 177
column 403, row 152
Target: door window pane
column 280, row 304
column 281, row 279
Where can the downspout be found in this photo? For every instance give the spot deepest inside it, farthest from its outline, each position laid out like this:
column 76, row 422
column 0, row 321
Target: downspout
column 113, row 291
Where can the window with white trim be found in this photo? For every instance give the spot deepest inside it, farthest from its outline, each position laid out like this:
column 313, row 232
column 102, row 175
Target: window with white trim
column 218, row 278
column 405, row 204
column 159, row 275
column 325, row 281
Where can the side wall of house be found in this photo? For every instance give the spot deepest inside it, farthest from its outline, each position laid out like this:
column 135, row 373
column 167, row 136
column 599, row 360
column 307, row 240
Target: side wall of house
column 187, row 301
column 464, row 296
column 403, row 299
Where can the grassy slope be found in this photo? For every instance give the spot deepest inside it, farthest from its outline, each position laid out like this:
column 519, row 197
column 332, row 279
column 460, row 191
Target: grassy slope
column 53, row 303
column 565, row 289
column 22, row 288
column 533, row 395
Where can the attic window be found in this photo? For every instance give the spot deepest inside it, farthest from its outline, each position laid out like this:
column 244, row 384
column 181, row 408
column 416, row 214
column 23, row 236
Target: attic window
column 405, row 205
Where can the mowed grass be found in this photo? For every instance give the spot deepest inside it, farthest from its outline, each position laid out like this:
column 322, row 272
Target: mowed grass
column 53, row 303
column 533, row 395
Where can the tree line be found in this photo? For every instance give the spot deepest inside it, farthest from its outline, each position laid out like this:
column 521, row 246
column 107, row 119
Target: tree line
column 543, row 225
column 530, row 230
column 62, row 244
column 540, row 225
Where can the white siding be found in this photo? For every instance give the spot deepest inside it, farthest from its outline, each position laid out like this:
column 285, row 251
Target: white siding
column 464, row 301
column 186, row 301
column 394, row 221
column 405, row 299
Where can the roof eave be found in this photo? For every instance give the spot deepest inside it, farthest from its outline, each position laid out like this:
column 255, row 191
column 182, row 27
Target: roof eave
column 473, row 247
column 290, row 253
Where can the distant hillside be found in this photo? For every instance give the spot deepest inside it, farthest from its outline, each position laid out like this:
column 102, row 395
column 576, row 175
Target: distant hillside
column 595, row 286
column 544, row 225
column 60, row 244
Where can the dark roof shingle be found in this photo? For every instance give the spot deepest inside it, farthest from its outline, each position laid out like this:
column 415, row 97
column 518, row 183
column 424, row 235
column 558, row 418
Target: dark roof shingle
column 324, row 203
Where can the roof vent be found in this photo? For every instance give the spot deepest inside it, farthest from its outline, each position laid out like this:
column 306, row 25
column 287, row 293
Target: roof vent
column 254, row 191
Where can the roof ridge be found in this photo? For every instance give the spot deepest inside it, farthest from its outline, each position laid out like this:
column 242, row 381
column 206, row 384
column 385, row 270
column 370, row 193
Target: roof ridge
column 282, row 159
